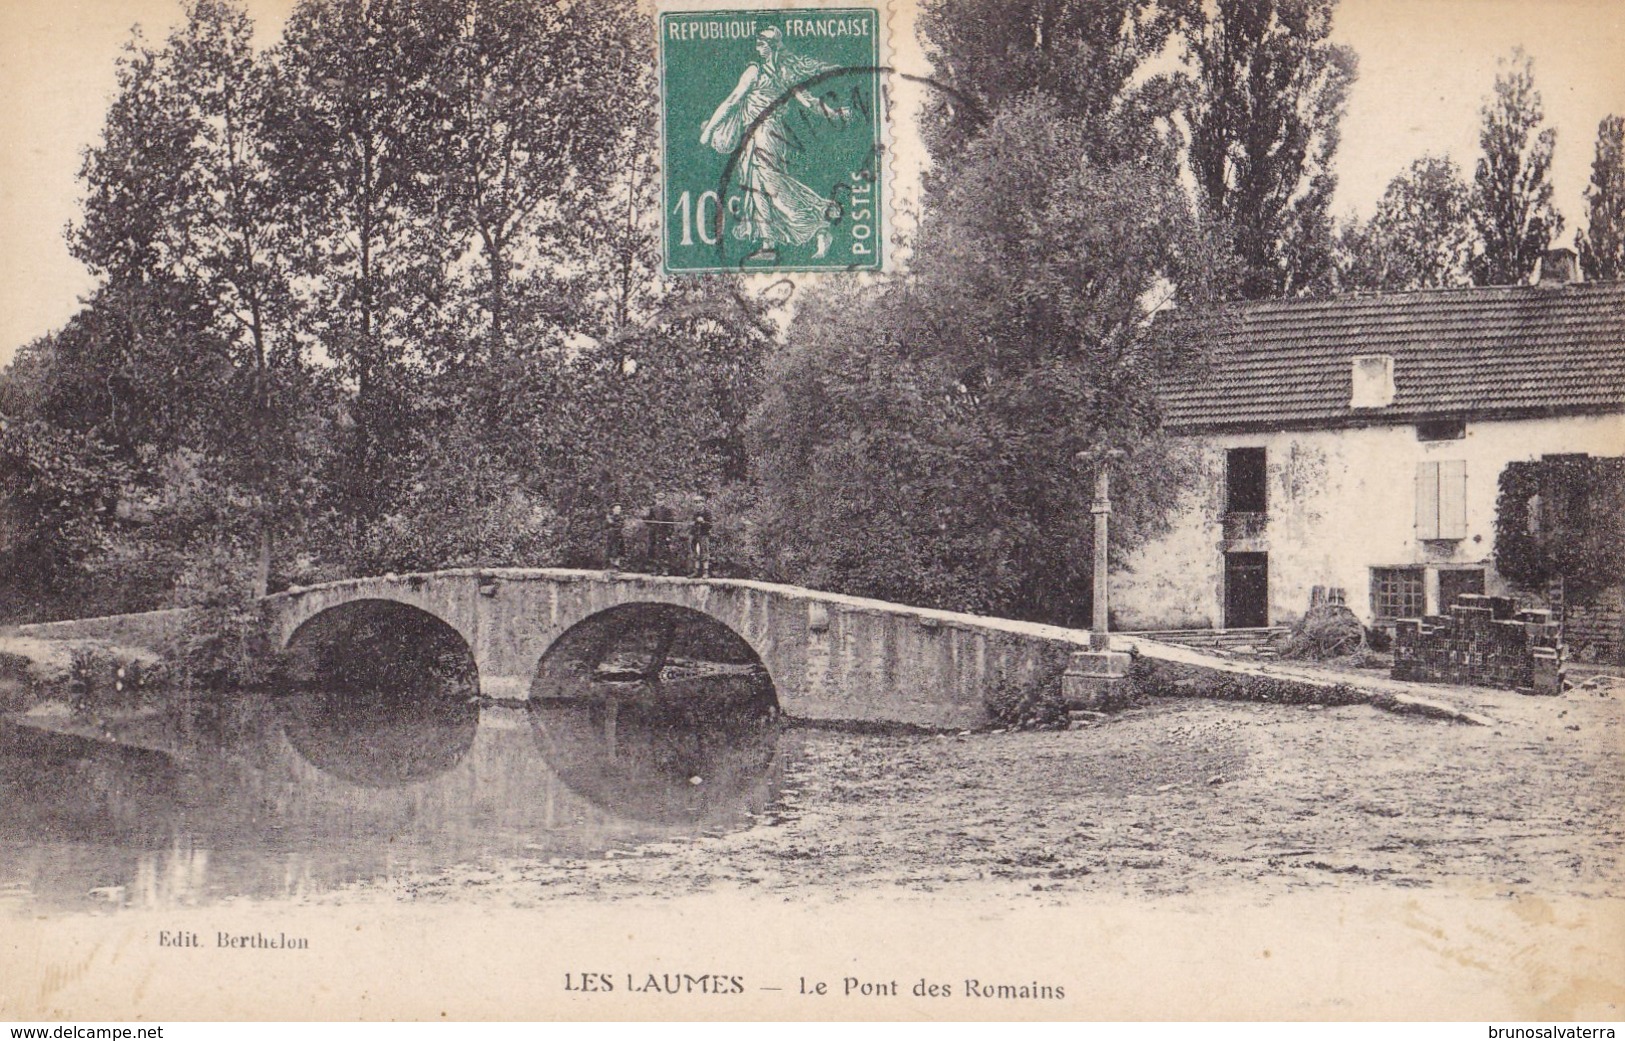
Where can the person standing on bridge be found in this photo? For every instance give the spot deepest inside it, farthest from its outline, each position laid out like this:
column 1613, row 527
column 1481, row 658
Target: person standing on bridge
column 614, row 538
column 699, row 544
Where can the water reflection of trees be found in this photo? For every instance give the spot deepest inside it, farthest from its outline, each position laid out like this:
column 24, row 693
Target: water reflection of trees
column 90, row 824
column 376, row 764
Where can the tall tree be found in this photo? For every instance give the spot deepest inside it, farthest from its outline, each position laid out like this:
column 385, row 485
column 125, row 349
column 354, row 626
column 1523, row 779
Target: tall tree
column 142, row 362
column 933, row 439
column 132, row 176
column 586, row 376
column 1601, row 243
column 237, row 225
column 357, row 148
column 1268, row 92
column 536, row 94
column 191, row 234
column 1421, row 236
column 1512, row 207
column 1085, row 55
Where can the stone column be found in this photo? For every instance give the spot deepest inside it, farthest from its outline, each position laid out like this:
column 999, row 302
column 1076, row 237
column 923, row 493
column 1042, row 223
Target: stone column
column 1101, row 507
column 1095, row 679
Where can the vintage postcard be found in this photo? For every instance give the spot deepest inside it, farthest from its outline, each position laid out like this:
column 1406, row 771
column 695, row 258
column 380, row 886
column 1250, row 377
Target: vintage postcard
column 1093, row 510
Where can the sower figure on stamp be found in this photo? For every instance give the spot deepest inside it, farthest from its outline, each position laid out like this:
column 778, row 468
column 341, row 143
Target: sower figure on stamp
column 777, row 209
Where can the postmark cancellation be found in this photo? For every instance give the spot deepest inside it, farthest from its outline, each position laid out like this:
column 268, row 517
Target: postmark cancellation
column 774, row 142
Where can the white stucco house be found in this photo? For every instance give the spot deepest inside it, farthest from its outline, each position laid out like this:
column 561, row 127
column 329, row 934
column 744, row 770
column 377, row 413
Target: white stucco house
column 1356, row 443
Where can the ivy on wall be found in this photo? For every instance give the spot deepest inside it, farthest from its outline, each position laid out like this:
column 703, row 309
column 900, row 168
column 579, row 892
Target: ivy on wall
column 1562, row 516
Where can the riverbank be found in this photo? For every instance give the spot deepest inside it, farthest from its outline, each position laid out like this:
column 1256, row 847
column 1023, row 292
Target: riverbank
column 1187, row 859
column 1181, row 796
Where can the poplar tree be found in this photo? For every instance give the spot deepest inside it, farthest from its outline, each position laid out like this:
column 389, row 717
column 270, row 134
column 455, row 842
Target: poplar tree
column 238, row 224
column 1084, row 55
column 1512, row 189
column 1268, row 91
column 1601, row 243
column 536, row 105
column 356, row 145
column 184, row 346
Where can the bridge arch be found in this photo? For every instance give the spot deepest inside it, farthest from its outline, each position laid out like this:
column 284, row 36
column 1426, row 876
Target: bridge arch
column 378, row 692
column 658, row 710
column 651, row 642
column 828, row 656
column 293, row 609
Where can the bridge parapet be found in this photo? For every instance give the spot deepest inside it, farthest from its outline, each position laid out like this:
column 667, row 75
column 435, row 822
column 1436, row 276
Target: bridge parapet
column 830, row 656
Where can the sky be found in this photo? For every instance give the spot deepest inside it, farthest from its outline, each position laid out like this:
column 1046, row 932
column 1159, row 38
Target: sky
column 1426, row 67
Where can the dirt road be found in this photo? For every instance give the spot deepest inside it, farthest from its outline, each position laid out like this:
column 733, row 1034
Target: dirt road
column 1179, row 797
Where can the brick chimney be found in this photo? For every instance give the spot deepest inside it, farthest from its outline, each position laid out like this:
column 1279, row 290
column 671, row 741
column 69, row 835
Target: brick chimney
column 1558, row 267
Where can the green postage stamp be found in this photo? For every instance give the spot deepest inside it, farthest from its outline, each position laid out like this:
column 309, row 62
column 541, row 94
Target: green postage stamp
column 773, row 151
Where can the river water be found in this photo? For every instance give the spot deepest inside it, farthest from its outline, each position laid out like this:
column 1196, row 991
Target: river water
column 375, row 769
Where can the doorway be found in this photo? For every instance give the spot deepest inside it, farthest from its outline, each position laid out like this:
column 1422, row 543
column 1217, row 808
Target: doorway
column 1246, row 590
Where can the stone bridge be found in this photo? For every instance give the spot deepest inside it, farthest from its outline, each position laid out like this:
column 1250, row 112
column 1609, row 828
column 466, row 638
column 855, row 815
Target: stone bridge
column 830, row 657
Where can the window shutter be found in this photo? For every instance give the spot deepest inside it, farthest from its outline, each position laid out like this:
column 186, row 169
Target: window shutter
column 1427, row 500
column 1453, row 499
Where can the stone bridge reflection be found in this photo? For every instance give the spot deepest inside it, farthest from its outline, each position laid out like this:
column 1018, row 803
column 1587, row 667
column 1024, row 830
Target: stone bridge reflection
column 651, row 711
column 286, row 797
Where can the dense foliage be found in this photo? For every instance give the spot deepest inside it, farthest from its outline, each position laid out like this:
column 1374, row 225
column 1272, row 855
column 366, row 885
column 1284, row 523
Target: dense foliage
column 383, row 295
column 1562, row 517
column 1250, row 109
column 1601, row 244
column 933, row 440
column 59, row 507
column 1090, row 58
column 1513, row 210
column 386, row 295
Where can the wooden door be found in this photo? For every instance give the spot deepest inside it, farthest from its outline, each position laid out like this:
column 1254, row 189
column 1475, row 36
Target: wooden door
column 1246, row 590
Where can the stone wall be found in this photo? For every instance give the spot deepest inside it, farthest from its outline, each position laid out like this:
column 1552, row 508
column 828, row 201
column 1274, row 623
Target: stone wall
column 1484, row 641
column 1594, row 626
column 830, row 657
column 148, row 629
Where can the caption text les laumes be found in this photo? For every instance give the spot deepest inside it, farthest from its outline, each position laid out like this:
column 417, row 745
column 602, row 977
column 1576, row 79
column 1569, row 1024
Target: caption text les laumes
column 849, row 986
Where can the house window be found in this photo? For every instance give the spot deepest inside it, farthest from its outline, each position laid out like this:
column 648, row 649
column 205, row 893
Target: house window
column 1441, row 500
column 1441, row 430
column 1454, row 582
column 1245, row 481
column 1398, row 592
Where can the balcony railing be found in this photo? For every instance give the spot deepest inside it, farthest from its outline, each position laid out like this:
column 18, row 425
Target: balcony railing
column 1244, row 525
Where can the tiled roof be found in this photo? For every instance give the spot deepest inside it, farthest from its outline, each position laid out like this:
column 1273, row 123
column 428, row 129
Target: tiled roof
column 1457, row 353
